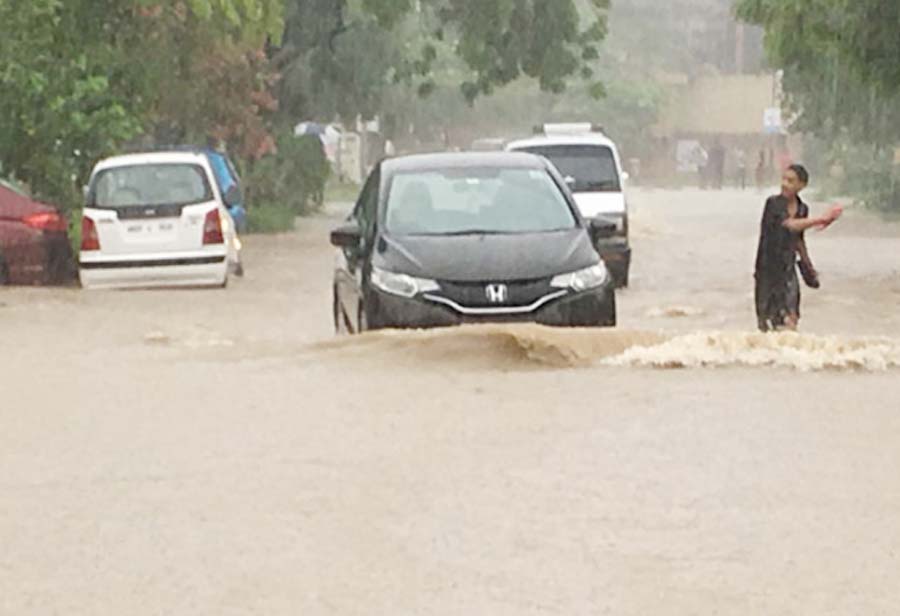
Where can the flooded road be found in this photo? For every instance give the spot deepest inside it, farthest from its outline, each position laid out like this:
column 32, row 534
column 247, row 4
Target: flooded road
column 220, row 452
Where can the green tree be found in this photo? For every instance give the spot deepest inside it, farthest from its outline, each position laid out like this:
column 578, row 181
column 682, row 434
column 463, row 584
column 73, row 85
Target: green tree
column 65, row 89
column 80, row 77
column 350, row 52
column 841, row 73
column 842, row 82
column 211, row 80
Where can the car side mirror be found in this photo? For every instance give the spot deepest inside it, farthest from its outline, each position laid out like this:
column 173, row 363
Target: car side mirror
column 602, row 229
column 86, row 193
column 570, row 182
column 233, row 197
column 347, row 236
column 626, row 176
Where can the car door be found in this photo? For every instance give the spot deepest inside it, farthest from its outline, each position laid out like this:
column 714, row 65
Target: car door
column 352, row 262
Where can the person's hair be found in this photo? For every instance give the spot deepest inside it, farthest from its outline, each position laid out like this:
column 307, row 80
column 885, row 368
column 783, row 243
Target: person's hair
column 801, row 172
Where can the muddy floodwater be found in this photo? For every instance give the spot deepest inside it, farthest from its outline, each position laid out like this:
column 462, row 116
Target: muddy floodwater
column 221, row 452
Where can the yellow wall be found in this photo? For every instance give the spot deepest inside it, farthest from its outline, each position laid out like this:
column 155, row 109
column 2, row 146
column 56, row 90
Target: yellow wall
column 731, row 105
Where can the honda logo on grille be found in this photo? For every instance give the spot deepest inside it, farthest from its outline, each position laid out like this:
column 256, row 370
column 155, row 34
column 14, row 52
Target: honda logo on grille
column 497, row 293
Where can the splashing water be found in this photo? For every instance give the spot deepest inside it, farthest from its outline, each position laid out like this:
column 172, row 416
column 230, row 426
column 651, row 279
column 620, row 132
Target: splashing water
column 785, row 350
column 529, row 346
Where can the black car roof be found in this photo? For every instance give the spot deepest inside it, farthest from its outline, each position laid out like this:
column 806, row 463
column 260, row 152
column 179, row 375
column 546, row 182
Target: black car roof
column 462, row 160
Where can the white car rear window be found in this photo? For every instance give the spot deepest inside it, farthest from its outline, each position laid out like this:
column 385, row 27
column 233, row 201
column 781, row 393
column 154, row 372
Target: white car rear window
column 158, row 184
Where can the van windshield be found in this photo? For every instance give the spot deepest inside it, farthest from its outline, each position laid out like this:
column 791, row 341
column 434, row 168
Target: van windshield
column 593, row 167
column 143, row 185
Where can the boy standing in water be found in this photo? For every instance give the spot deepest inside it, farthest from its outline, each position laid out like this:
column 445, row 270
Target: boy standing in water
column 781, row 242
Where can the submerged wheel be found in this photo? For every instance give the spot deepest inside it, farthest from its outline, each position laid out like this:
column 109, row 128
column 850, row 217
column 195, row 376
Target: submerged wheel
column 362, row 319
column 612, row 321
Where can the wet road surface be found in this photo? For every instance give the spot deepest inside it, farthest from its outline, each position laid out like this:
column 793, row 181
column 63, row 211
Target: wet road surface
column 219, row 452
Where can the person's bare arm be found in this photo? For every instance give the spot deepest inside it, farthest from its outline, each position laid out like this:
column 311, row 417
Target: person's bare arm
column 799, row 225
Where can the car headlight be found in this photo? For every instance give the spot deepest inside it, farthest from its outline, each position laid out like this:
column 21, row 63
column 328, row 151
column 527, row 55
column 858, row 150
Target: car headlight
column 401, row 284
column 583, row 280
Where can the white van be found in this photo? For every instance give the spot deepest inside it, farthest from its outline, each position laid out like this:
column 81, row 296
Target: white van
column 590, row 162
column 156, row 219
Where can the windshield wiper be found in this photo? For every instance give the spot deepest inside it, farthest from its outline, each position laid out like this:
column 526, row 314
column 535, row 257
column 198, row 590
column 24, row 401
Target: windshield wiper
column 473, row 232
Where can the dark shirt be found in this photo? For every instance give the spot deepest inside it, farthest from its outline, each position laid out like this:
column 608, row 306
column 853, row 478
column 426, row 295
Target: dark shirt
column 777, row 253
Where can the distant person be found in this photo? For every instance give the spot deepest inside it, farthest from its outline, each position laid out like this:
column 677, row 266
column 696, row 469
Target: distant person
column 740, row 164
column 781, row 242
column 761, row 170
column 699, row 158
column 717, row 165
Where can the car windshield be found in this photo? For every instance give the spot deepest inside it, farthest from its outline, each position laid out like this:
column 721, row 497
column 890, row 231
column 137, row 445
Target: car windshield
column 476, row 201
column 142, row 185
column 592, row 167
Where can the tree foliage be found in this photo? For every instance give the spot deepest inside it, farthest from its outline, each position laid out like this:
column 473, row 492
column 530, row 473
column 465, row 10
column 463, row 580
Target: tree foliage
column 81, row 78
column 842, row 83
column 350, row 52
column 78, row 78
column 841, row 73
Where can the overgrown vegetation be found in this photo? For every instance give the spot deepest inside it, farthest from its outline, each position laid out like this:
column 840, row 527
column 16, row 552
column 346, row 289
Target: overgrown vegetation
column 842, row 81
column 79, row 79
column 286, row 184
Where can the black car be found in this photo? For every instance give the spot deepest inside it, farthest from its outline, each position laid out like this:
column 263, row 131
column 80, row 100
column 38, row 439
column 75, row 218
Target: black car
column 448, row 239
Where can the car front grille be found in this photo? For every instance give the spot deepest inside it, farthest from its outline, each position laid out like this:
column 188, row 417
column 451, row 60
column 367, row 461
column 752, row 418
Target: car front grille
column 518, row 294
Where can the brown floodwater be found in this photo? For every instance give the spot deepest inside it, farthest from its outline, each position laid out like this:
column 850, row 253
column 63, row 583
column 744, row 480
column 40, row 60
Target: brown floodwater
column 221, row 452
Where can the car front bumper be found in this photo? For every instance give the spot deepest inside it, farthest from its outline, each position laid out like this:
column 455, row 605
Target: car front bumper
column 595, row 308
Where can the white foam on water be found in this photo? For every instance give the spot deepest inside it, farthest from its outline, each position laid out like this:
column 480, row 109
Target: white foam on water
column 675, row 312
column 529, row 346
column 801, row 352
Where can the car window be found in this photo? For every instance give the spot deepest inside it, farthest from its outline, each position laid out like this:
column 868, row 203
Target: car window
column 592, row 167
column 366, row 209
column 367, row 205
column 476, row 200
column 157, row 184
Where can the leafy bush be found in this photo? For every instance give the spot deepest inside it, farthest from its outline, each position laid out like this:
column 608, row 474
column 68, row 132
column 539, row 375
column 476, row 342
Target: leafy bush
column 292, row 179
column 864, row 173
column 74, row 217
column 270, row 219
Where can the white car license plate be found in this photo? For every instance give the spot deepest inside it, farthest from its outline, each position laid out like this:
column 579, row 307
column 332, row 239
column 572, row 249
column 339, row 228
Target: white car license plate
column 163, row 227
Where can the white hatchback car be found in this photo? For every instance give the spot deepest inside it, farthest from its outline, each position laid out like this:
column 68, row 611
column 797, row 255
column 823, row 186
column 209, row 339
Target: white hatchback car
column 156, row 219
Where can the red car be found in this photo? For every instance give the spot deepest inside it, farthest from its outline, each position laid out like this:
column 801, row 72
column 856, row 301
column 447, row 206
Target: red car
column 34, row 242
